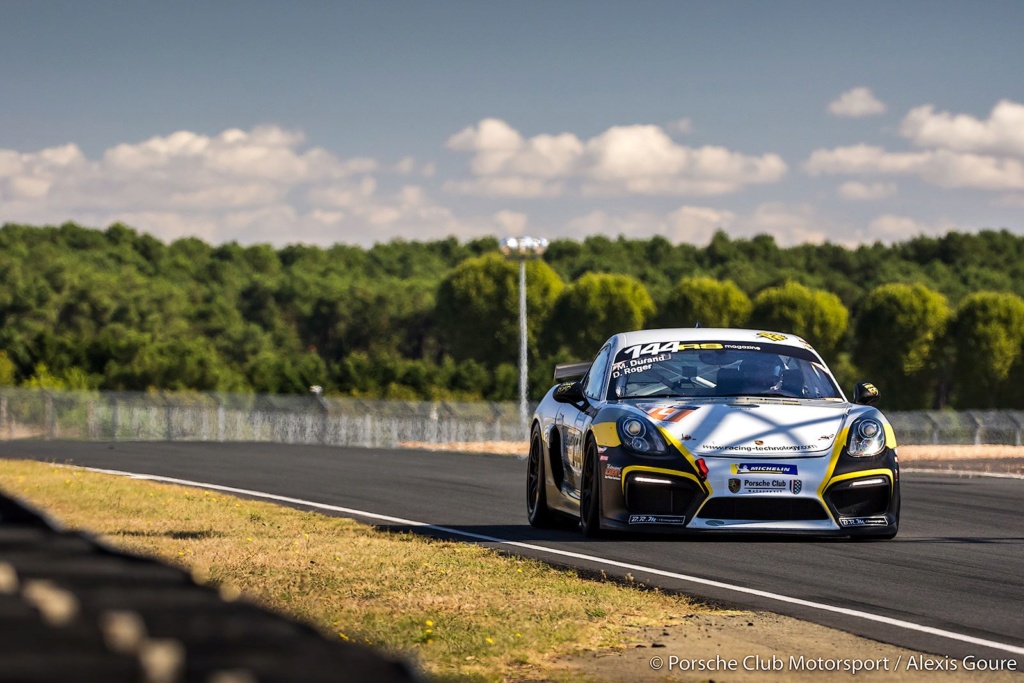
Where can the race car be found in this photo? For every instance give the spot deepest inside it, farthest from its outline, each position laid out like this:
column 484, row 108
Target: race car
column 711, row 430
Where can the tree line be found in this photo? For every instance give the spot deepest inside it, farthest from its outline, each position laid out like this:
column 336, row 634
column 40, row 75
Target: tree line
column 934, row 321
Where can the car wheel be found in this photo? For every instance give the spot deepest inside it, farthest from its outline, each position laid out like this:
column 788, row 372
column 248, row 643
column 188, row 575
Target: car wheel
column 537, row 510
column 590, row 495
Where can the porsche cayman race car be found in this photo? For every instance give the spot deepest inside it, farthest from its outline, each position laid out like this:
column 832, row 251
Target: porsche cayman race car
column 711, row 430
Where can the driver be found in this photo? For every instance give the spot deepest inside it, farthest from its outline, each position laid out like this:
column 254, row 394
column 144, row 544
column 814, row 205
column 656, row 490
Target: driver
column 761, row 372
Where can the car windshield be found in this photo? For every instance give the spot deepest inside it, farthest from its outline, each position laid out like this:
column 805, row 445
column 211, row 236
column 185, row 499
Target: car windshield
column 710, row 369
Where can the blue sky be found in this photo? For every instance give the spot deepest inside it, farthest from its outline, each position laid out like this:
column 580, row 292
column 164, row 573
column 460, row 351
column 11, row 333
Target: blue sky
column 357, row 122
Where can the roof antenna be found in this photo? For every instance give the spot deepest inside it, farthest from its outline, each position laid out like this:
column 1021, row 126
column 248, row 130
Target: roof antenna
column 697, row 325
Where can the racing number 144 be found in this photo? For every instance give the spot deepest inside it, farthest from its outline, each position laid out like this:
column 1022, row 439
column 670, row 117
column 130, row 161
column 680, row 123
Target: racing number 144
column 656, row 348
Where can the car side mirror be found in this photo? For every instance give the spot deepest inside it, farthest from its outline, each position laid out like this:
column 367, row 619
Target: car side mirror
column 866, row 394
column 570, row 392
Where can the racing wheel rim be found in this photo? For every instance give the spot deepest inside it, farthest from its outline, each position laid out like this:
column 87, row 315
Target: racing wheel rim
column 533, row 482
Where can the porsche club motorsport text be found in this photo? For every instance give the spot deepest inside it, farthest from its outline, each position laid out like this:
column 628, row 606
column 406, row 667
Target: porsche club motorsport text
column 852, row 665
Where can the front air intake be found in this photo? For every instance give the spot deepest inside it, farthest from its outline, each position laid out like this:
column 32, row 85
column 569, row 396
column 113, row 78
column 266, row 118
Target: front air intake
column 658, row 494
column 763, row 509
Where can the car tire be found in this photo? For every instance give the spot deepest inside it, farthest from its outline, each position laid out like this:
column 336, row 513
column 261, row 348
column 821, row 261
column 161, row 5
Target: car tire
column 590, row 494
column 537, row 510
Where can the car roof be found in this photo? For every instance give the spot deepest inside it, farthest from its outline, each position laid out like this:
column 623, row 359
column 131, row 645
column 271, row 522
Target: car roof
column 627, row 339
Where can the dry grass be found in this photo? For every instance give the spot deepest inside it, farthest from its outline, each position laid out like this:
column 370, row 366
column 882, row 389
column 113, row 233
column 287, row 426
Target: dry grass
column 455, row 608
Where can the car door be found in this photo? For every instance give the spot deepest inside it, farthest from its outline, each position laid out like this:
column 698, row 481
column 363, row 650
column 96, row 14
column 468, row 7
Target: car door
column 576, row 421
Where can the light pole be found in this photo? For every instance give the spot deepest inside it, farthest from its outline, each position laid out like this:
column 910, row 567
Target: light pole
column 521, row 249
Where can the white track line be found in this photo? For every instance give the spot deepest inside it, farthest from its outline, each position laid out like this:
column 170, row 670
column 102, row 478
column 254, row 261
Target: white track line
column 961, row 473
column 899, row 623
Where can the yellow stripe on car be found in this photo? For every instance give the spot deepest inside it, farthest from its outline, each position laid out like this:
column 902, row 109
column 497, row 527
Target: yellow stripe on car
column 678, row 445
column 606, row 434
column 656, row 470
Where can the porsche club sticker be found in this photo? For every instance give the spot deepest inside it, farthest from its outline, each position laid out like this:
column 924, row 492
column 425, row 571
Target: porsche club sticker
column 764, row 468
column 756, row 485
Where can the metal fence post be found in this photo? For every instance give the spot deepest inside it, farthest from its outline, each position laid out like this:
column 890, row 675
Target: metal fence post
column 220, row 418
column 51, row 419
column 3, row 412
column 168, row 418
column 114, row 418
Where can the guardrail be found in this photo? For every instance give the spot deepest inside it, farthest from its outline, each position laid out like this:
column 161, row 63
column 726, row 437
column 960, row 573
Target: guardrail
column 187, row 416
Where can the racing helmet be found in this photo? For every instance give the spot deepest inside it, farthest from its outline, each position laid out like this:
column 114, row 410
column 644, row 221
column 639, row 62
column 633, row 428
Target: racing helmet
column 761, row 371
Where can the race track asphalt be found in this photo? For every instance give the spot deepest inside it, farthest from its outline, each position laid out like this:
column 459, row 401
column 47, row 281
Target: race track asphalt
column 957, row 564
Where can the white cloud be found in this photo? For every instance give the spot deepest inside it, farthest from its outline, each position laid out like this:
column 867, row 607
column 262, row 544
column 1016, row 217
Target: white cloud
column 511, row 222
column 941, row 167
column 1001, row 133
column 681, row 126
column 696, row 224
column 857, row 191
column 505, row 186
column 640, row 159
column 262, row 184
column 892, row 228
column 788, row 223
column 856, row 103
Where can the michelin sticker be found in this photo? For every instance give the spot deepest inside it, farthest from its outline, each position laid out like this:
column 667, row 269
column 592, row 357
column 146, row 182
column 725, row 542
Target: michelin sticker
column 764, row 468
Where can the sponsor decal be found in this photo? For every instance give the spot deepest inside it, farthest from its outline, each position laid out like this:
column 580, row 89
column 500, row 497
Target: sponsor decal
column 746, row 486
column 758, row 442
column 656, row 519
column 760, row 449
column 764, row 468
column 870, row 388
column 773, row 336
column 826, row 437
column 796, row 486
column 662, row 413
column 612, row 472
column 657, row 348
column 863, row 521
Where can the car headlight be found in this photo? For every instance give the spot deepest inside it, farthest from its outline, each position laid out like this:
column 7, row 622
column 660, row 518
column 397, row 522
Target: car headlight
column 867, row 438
column 639, row 436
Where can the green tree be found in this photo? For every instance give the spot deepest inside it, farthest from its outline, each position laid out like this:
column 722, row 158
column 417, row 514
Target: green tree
column 898, row 342
column 7, row 370
column 597, row 306
column 707, row 301
column 816, row 315
column 478, row 307
column 987, row 335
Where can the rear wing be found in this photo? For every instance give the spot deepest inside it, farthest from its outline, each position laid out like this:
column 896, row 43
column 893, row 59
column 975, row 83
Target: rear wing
column 571, row 370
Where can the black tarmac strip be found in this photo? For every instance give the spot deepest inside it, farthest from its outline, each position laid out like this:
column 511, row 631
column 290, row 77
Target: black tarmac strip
column 957, row 564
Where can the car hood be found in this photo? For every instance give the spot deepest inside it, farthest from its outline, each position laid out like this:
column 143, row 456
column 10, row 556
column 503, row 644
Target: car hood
column 774, row 427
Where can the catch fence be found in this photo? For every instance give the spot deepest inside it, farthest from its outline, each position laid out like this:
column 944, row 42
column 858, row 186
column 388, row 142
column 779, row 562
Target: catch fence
column 314, row 419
